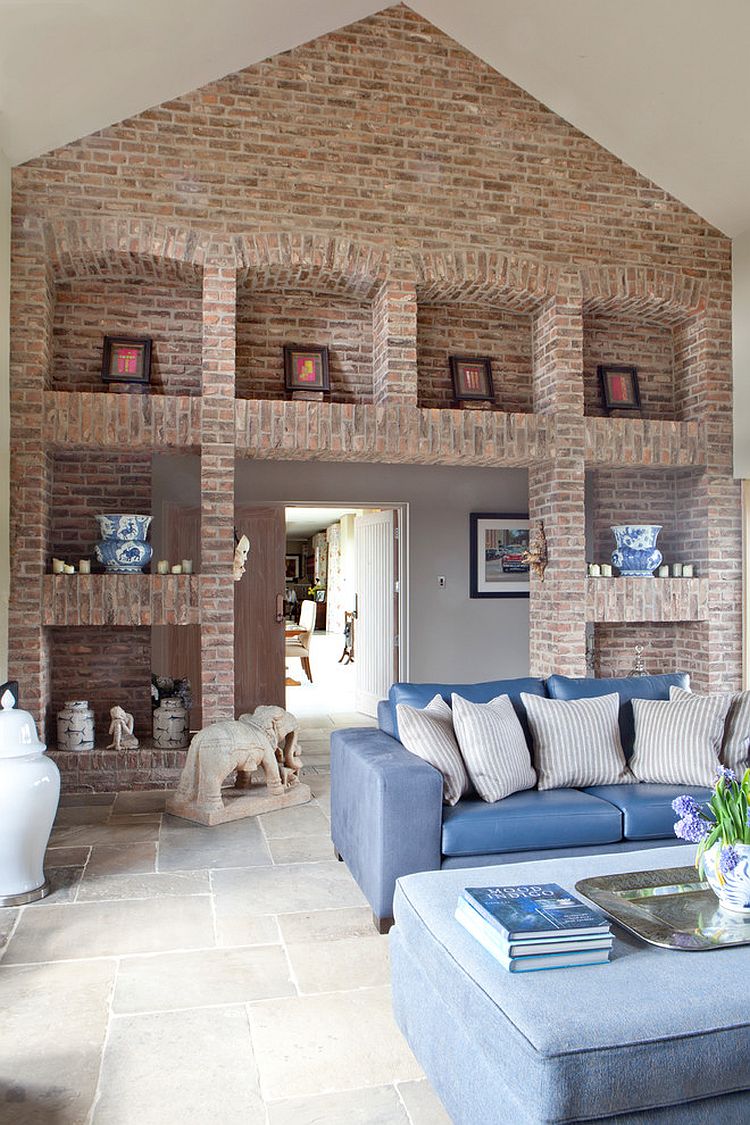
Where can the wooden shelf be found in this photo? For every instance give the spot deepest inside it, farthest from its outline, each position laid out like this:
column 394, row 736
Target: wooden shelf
column 121, row 599
column 646, row 599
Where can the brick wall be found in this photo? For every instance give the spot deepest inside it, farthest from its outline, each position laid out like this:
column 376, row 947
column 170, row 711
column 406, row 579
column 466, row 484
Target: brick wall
column 673, row 647
column 269, row 320
column 87, row 485
column 649, row 347
column 88, row 309
column 445, row 330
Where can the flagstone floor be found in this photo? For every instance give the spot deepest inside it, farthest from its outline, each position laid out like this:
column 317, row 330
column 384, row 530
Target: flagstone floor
column 201, row 975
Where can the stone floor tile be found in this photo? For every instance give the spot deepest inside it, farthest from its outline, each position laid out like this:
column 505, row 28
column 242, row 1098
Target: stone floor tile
column 317, row 722
column 122, row 859
column 423, row 1104
column 95, row 887
column 8, row 916
column 66, row 857
column 104, row 929
column 346, row 719
column 82, row 814
column 76, row 835
column 300, row 849
column 141, row 801
column 320, row 784
column 135, row 818
column 54, row 1020
column 191, row 980
column 343, row 963
column 70, row 799
column 300, row 820
column 235, row 926
column 63, row 882
column 324, row 803
column 327, row 925
column 375, row 1105
column 185, row 846
column 314, row 732
column 290, row 888
column 189, row 1066
column 361, row 1046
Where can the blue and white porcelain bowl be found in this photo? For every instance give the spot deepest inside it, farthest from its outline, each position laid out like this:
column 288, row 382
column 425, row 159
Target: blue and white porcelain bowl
column 636, row 555
column 123, row 548
column 733, row 887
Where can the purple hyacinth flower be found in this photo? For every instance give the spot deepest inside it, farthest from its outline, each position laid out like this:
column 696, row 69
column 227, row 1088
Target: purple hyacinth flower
column 691, row 828
column 725, row 775
column 728, row 860
column 686, row 806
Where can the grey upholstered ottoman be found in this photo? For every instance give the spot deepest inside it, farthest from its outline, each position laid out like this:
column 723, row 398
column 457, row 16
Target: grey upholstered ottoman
column 655, row 1036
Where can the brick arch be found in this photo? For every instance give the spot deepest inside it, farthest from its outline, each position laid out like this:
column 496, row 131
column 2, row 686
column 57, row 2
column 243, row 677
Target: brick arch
column 287, row 260
column 469, row 276
column 124, row 248
column 656, row 295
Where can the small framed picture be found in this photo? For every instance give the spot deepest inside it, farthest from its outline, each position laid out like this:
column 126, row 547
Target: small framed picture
column 126, row 359
column 497, row 550
column 472, row 378
column 293, row 565
column 306, row 368
column 619, row 387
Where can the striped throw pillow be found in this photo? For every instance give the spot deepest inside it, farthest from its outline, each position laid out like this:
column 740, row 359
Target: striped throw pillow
column 735, row 750
column 577, row 741
column 493, row 747
column 429, row 735
column 678, row 741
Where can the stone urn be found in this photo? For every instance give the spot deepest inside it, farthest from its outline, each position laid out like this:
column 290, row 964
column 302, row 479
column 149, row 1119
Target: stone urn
column 29, row 792
column 636, row 555
column 122, row 548
column 75, row 726
column 171, row 725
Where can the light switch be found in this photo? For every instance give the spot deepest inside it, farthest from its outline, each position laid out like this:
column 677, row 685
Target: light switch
column 441, row 581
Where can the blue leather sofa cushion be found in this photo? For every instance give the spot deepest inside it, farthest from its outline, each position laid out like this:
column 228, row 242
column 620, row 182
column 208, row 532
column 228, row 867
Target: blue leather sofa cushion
column 647, row 812
column 628, row 688
column 554, row 818
column 419, row 695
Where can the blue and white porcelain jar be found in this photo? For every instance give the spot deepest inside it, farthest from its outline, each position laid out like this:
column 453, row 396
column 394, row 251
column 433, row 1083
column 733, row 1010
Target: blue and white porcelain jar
column 636, row 555
column 730, row 879
column 123, row 548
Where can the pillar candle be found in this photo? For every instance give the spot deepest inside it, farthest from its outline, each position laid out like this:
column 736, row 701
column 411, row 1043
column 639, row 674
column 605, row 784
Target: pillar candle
column 594, row 570
column 162, row 567
column 187, row 566
column 606, row 570
column 688, row 570
column 677, row 570
column 176, row 569
column 664, row 572
column 84, row 566
column 58, row 566
column 69, row 569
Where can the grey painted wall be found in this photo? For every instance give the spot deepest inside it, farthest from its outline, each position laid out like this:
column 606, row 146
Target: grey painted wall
column 451, row 636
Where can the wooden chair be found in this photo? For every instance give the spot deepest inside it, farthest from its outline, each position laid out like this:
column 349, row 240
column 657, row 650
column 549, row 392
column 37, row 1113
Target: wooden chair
column 298, row 640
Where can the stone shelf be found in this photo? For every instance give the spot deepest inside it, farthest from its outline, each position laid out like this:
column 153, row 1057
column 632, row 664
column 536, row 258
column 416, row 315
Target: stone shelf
column 120, row 599
column 98, row 420
column 646, row 599
column 624, row 442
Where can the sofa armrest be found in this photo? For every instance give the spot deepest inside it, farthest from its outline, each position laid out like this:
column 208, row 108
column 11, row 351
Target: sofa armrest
column 386, row 812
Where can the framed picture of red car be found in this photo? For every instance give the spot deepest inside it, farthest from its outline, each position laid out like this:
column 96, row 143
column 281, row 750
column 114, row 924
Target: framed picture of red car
column 126, row 359
column 306, row 368
column 619, row 387
column 472, row 378
column 497, row 550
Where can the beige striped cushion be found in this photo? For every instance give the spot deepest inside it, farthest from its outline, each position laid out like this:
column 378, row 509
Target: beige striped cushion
column 576, row 741
column 735, row 750
column 678, row 741
column 429, row 735
column 493, row 747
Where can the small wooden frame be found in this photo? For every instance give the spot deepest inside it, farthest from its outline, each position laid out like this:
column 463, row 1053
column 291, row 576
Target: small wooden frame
column 619, row 386
column 472, row 378
column 126, row 359
column 306, row 368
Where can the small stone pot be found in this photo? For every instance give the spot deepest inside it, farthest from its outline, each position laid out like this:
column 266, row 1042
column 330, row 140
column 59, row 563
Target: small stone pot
column 171, row 725
column 75, row 726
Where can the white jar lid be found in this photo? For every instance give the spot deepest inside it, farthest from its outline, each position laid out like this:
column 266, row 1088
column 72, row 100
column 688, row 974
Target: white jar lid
column 18, row 734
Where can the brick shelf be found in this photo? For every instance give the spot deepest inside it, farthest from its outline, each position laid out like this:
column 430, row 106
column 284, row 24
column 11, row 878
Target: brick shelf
column 120, row 599
column 97, row 420
column 618, row 442
column 646, row 599
column 106, row 771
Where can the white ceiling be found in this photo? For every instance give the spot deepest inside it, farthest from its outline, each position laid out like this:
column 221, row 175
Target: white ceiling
column 303, row 522
column 664, row 84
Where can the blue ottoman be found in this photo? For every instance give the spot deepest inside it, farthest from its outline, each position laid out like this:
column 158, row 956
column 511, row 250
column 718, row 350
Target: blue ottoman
column 655, row 1036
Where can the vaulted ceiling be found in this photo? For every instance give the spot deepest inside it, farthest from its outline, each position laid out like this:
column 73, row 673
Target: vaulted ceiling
column 664, row 84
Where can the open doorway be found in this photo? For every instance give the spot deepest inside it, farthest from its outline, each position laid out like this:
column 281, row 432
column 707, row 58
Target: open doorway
column 344, row 608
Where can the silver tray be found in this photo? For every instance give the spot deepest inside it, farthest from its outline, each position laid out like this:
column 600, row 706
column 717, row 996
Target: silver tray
column 670, row 907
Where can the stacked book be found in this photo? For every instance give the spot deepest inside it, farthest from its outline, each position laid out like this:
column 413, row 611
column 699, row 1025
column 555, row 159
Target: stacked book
column 535, row 927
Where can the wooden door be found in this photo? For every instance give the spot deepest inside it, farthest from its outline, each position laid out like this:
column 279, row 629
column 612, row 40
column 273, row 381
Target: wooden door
column 376, row 663
column 258, row 611
column 176, row 649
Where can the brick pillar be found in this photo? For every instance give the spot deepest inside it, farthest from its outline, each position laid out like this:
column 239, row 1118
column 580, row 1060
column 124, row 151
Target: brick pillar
column 217, row 493
column 557, row 352
column 394, row 338
column 557, row 617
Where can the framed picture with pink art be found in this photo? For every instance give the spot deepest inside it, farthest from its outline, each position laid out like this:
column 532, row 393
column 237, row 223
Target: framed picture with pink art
column 126, row 359
column 498, row 543
column 472, row 378
column 306, row 368
column 619, row 386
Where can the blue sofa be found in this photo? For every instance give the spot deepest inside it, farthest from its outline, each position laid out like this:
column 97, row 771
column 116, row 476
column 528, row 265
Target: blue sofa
column 388, row 817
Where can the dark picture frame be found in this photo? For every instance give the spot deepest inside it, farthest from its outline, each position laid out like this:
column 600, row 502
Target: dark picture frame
column 306, row 368
column 293, row 567
column 497, row 540
column 620, row 388
column 126, row 359
column 472, row 378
